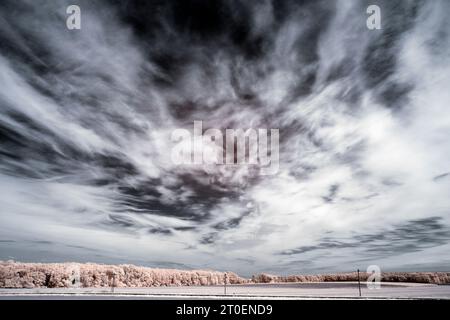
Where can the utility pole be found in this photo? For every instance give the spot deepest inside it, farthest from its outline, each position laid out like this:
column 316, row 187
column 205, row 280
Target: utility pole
column 359, row 284
column 225, row 277
column 112, row 279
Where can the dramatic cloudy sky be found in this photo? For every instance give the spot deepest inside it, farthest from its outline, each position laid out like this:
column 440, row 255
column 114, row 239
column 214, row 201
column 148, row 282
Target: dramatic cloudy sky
column 86, row 119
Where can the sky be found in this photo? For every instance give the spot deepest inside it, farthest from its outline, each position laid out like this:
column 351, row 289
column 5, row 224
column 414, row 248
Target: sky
column 86, row 172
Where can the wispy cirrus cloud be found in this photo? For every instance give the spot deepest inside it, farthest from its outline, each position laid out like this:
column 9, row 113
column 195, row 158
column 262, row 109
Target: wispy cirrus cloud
column 87, row 116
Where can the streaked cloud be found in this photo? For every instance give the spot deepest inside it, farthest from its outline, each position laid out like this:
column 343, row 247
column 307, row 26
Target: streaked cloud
column 86, row 171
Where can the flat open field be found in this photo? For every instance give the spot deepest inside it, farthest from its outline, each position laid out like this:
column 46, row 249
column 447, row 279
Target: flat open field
column 321, row 290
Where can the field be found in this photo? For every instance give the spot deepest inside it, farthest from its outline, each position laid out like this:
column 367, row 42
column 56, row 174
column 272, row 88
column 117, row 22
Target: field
column 319, row 290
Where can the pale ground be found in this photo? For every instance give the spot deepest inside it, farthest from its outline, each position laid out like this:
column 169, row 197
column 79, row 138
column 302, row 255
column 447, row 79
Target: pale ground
column 324, row 290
